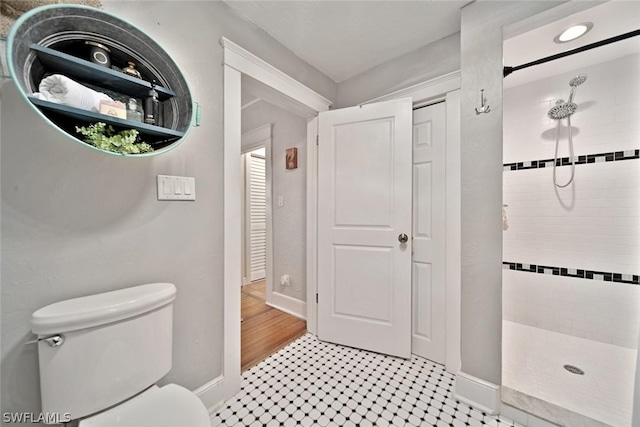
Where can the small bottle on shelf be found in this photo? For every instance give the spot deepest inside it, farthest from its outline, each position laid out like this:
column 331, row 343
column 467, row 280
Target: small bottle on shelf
column 134, row 112
column 151, row 106
column 131, row 70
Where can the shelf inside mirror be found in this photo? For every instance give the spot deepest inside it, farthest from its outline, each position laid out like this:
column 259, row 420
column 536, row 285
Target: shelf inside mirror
column 59, row 62
column 59, row 113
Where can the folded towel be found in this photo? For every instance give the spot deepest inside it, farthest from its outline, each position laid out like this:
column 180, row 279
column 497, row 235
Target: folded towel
column 62, row 90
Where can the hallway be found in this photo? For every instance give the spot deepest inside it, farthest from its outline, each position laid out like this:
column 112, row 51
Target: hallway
column 264, row 330
column 312, row 383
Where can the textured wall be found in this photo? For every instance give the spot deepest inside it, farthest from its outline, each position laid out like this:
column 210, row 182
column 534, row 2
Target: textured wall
column 592, row 224
column 78, row 222
column 290, row 220
column 481, row 141
column 428, row 62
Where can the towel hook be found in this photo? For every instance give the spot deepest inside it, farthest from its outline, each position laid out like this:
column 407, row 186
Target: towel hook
column 483, row 108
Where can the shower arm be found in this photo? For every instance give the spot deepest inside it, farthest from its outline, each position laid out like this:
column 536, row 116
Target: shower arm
column 509, row 70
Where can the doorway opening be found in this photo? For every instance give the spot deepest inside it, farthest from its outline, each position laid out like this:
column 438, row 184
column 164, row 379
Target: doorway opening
column 273, row 227
column 242, row 69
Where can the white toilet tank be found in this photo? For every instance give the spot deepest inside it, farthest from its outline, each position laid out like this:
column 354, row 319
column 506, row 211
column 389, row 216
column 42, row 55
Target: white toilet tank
column 116, row 344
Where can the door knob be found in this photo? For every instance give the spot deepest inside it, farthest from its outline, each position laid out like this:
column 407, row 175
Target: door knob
column 403, row 238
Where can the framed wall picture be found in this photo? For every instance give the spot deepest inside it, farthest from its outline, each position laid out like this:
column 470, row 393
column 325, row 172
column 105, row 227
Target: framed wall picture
column 291, row 158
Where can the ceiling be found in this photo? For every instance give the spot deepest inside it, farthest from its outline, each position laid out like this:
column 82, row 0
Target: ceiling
column 345, row 38
column 609, row 20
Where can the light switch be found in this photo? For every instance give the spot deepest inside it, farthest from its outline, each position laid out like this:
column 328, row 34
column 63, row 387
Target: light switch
column 176, row 187
column 280, row 201
column 190, row 187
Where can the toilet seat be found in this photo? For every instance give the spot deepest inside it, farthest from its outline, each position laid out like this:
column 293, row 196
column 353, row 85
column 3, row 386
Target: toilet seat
column 168, row 406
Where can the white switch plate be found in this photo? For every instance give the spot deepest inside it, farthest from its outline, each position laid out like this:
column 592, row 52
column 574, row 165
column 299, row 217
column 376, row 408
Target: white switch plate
column 280, row 201
column 176, row 187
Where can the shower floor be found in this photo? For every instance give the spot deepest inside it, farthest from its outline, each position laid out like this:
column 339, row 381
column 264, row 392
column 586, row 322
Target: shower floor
column 533, row 361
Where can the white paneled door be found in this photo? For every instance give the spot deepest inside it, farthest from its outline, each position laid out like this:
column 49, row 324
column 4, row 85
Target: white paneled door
column 364, row 227
column 429, row 210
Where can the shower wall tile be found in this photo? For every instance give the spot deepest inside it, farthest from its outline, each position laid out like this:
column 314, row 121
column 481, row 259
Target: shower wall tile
column 606, row 120
column 601, row 311
column 591, row 225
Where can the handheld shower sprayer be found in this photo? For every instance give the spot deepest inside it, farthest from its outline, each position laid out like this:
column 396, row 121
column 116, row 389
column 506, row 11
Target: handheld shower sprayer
column 561, row 111
column 574, row 83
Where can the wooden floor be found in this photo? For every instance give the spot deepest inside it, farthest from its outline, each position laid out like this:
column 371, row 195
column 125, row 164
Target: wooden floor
column 265, row 330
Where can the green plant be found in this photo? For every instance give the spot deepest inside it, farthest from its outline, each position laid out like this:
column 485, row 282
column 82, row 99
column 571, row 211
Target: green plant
column 103, row 136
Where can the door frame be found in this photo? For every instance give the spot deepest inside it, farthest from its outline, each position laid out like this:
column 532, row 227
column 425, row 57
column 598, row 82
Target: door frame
column 446, row 87
column 239, row 63
column 252, row 140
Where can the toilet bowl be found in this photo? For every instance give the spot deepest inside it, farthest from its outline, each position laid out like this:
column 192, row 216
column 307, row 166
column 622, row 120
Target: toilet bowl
column 101, row 355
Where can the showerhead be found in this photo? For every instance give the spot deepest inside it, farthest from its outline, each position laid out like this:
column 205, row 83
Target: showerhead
column 577, row 80
column 562, row 110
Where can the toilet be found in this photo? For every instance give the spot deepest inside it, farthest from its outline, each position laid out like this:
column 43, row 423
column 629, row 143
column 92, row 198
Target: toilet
column 101, row 355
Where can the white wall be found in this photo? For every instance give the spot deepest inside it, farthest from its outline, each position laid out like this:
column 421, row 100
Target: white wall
column 290, row 220
column 593, row 224
column 77, row 222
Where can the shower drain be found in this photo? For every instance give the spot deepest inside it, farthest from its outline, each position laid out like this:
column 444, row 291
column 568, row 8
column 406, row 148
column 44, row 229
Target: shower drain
column 574, row 369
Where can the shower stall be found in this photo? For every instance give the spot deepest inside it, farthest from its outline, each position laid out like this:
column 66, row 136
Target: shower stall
column 571, row 256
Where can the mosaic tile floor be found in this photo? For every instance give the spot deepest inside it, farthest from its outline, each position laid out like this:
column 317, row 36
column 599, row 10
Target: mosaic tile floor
column 312, row 383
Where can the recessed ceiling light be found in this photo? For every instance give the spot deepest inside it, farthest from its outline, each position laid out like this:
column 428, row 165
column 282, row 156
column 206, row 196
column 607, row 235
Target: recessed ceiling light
column 573, row 32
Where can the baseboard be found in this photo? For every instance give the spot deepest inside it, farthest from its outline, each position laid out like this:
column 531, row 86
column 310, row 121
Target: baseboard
column 289, row 305
column 212, row 394
column 477, row 393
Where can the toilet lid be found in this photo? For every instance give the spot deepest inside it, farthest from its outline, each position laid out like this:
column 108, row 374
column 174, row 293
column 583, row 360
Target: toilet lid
column 169, row 406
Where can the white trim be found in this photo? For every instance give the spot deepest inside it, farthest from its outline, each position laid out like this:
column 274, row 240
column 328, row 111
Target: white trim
column 312, row 225
column 232, row 230
column 444, row 87
column 257, row 138
column 250, row 103
column 238, row 61
column 453, row 234
column 289, row 305
column 212, row 394
column 251, row 65
column 426, row 90
column 550, row 15
column 477, row 393
column 243, row 256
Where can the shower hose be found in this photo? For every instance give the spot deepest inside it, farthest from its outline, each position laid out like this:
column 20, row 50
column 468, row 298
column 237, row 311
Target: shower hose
column 555, row 160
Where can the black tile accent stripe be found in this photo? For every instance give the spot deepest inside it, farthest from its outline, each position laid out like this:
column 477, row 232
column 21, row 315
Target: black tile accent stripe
column 606, row 276
column 614, row 156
